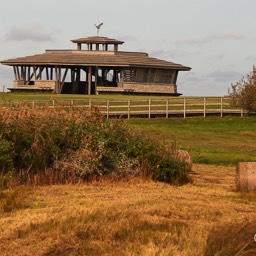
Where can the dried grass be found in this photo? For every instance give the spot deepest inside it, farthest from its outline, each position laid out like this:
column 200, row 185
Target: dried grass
column 135, row 217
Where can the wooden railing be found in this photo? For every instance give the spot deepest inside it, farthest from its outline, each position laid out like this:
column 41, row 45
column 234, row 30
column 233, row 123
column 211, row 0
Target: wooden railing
column 148, row 107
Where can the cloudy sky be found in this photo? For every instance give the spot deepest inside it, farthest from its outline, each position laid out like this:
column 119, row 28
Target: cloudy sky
column 216, row 38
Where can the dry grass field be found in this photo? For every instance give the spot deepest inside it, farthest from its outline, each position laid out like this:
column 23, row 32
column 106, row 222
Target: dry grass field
column 206, row 217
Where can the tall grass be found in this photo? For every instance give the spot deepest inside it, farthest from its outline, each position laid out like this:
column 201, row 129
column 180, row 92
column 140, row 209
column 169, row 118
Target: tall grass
column 79, row 145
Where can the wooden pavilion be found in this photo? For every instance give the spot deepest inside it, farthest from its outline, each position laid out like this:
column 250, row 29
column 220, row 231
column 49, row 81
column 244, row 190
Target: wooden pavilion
column 100, row 68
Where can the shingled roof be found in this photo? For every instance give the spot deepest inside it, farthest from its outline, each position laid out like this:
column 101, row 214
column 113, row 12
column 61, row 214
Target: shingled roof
column 93, row 58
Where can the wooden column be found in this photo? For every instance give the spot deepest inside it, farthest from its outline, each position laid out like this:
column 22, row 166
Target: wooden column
column 175, row 76
column 28, row 77
column 51, row 77
column 47, row 73
column 96, row 79
column 63, row 79
column 34, row 72
column 15, row 72
column 89, row 80
column 57, row 76
column 23, row 74
column 122, row 77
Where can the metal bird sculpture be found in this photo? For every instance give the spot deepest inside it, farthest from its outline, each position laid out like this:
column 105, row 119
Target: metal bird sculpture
column 98, row 27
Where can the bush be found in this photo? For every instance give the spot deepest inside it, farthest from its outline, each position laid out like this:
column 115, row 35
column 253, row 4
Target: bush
column 80, row 145
column 243, row 93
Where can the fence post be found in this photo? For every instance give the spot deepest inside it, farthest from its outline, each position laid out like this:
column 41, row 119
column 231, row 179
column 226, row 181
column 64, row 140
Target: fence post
column 107, row 109
column 90, row 104
column 184, row 107
column 242, row 112
column 204, row 106
column 149, row 108
column 221, row 106
column 129, row 108
column 167, row 108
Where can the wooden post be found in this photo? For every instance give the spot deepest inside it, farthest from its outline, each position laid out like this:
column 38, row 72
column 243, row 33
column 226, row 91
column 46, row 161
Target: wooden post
column 107, row 109
column 242, row 112
column 96, row 80
column 204, row 107
column 149, row 108
column 28, row 76
column 15, row 73
column 90, row 104
column 18, row 72
column 89, row 80
column 184, row 107
column 63, row 79
column 129, row 108
column 51, row 73
column 221, row 107
column 167, row 108
column 57, row 80
column 47, row 74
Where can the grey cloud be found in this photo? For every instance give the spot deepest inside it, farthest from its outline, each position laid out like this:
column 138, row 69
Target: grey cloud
column 31, row 32
column 165, row 54
column 228, row 35
column 251, row 58
column 225, row 76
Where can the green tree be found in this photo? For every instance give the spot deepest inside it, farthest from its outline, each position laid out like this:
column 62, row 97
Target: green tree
column 243, row 93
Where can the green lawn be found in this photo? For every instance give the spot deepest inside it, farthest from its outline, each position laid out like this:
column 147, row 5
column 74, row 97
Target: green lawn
column 211, row 140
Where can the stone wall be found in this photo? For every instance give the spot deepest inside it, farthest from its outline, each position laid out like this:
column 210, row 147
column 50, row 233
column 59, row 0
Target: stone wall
column 149, row 88
column 39, row 84
column 45, row 84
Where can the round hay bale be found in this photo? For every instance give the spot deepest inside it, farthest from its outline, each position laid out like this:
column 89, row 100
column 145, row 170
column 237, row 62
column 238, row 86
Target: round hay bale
column 184, row 157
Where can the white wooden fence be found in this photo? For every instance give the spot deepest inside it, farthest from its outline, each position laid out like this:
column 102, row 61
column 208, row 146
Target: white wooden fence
column 146, row 107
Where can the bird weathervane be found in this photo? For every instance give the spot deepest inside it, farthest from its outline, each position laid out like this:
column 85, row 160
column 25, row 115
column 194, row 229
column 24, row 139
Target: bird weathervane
column 98, row 27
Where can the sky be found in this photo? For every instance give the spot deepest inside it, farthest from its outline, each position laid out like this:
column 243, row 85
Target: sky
column 216, row 38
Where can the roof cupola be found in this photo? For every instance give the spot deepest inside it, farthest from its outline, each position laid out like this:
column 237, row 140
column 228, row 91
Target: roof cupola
column 98, row 43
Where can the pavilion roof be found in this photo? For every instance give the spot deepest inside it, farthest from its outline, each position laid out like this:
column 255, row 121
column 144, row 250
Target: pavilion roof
column 93, row 58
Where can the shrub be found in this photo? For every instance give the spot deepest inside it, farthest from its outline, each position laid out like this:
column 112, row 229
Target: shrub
column 243, row 93
column 80, row 145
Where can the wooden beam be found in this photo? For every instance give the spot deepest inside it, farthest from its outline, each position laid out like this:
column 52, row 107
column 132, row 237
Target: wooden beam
column 15, row 72
column 47, row 73
column 18, row 73
column 63, row 79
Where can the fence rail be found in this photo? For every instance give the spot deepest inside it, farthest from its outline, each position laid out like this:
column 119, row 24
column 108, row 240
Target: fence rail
column 151, row 107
